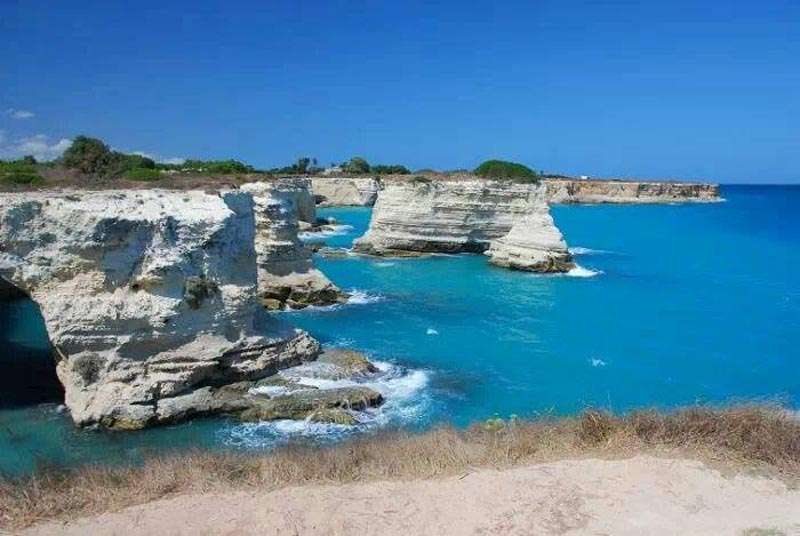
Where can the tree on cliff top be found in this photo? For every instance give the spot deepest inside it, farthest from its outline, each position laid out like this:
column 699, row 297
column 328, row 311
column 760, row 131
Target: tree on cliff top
column 356, row 165
column 501, row 169
column 93, row 157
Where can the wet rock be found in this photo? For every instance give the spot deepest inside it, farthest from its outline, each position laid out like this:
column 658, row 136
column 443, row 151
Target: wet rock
column 348, row 362
column 333, row 416
column 302, row 404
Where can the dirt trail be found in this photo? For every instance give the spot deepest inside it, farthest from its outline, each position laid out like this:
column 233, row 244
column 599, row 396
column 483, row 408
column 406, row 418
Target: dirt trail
column 637, row 496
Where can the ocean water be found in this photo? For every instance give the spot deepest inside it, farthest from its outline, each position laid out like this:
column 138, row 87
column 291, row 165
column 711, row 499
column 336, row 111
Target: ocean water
column 670, row 305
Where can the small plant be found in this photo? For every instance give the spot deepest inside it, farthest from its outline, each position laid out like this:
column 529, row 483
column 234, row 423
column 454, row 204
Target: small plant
column 88, row 367
column 143, row 174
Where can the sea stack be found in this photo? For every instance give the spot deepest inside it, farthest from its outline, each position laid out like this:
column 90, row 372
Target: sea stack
column 424, row 216
column 149, row 299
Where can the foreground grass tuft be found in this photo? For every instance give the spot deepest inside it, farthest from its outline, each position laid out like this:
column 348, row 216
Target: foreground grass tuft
column 750, row 435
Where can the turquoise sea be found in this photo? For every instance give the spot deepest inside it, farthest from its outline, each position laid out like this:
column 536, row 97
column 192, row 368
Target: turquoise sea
column 673, row 304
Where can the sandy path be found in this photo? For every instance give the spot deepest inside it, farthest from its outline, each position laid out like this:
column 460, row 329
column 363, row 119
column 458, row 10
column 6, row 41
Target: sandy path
column 642, row 495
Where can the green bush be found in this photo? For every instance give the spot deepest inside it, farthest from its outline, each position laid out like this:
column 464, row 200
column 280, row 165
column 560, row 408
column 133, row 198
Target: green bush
column 356, row 165
column 87, row 155
column 394, row 169
column 501, row 169
column 93, row 157
column 143, row 174
column 224, row 167
column 20, row 171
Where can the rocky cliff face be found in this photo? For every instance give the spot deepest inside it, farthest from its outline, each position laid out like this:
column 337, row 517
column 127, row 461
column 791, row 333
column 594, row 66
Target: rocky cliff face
column 345, row 191
column 467, row 216
column 149, row 298
column 286, row 273
column 608, row 191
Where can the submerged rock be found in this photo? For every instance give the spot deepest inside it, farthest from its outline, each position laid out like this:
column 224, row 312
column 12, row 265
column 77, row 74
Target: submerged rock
column 149, row 298
column 303, row 404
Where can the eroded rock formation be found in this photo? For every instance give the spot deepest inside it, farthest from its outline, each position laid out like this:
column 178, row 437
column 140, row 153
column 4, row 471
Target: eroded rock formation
column 149, row 298
column 345, row 191
column 412, row 217
column 286, row 272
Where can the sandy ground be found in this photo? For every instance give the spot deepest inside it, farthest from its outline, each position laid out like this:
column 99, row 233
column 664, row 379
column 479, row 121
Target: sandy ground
column 641, row 495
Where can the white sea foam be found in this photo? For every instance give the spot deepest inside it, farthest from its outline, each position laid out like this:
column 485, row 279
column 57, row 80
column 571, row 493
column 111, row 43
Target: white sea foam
column 580, row 271
column 385, row 264
column 404, row 403
column 361, row 297
column 330, row 230
column 577, row 250
column 432, row 331
column 597, row 362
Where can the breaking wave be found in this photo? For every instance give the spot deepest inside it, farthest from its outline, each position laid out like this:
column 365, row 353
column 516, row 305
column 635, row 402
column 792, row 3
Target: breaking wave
column 405, row 403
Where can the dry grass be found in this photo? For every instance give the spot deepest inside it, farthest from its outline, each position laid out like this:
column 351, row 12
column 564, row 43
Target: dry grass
column 756, row 436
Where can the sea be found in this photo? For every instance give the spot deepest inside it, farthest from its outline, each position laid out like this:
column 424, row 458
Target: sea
column 669, row 305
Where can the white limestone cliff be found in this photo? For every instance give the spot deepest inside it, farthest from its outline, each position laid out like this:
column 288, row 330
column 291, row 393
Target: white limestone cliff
column 533, row 244
column 286, row 273
column 149, row 298
column 345, row 191
column 595, row 191
column 412, row 217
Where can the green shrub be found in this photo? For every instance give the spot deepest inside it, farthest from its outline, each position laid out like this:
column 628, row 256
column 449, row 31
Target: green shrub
column 394, row 169
column 93, row 157
column 224, row 167
column 143, row 174
column 87, row 155
column 20, row 171
column 501, row 169
column 356, row 165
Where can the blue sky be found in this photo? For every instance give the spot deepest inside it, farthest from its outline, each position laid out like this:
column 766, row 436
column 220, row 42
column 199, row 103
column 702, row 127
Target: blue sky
column 651, row 89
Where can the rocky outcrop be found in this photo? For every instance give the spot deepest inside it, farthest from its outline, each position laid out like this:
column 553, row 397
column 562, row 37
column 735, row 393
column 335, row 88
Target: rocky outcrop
column 593, row 191
column 345, row 191
column 533, row 244
column 286, row 273
column 313, row 403
column 149, row 298
column 413, row 217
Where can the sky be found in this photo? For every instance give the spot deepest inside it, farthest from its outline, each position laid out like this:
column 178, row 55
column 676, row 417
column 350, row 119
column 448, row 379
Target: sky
column 693, row 90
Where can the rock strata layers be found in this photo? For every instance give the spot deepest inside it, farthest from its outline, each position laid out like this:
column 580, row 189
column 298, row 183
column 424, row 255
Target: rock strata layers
column 593, row 191
column 286, row 273
column 412, row 217
column 533, row 244
column 149, row 299
column 345, row 191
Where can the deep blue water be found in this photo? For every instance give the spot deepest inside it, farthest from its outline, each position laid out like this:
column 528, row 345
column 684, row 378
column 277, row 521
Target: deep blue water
column 690, row 303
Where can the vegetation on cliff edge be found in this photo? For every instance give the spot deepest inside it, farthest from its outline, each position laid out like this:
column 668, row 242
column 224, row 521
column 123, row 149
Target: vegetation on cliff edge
column 501, row 169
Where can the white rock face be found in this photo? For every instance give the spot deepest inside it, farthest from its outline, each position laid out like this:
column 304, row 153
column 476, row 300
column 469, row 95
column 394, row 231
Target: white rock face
column 149, row 298
column 467, row 216
column 345, row 191
column 534, row 244
column 286, row 273
column 594, row 191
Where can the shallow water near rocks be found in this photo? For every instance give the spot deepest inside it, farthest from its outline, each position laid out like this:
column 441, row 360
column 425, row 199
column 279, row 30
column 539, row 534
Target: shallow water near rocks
column 672, row 304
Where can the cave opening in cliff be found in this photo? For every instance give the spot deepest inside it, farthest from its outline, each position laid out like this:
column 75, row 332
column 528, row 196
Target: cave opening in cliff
column 28, row 370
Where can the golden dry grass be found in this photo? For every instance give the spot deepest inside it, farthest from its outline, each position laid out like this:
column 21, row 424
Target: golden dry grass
column 741, row 436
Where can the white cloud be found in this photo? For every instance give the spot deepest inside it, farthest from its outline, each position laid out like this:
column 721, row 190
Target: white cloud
column 39, row 146
column 19, row 114
column 174, row 161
